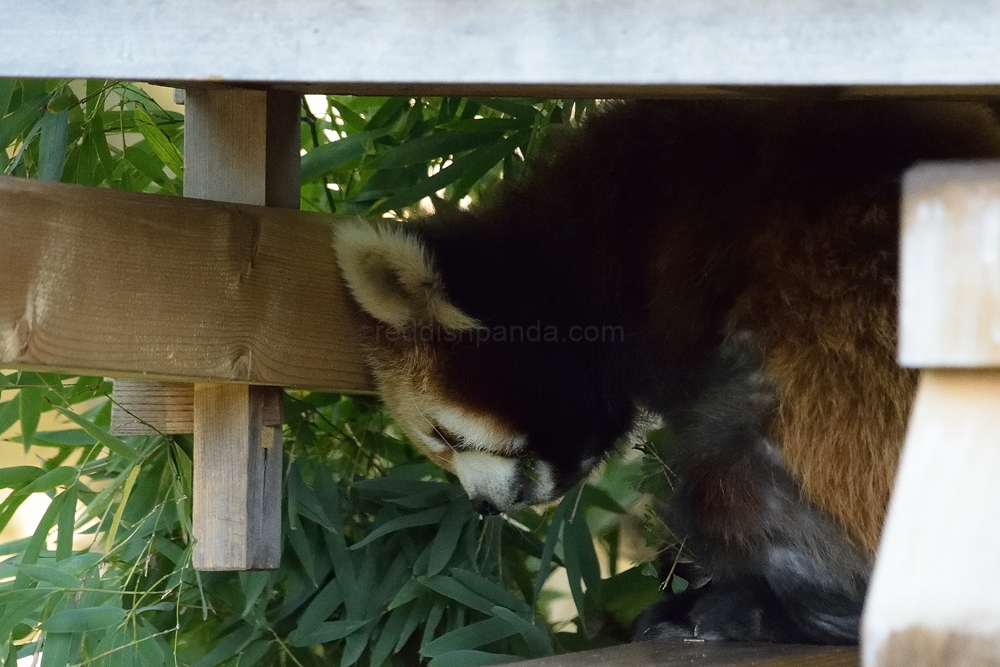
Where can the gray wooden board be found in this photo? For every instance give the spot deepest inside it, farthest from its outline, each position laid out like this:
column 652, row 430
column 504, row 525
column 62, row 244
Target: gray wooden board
column 673, row 653
column 642, row 43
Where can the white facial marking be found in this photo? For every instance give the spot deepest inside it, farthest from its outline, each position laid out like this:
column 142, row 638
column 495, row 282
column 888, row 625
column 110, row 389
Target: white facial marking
column 544, row 488
column 478, row 434
column 434, row 442
column 485, row 476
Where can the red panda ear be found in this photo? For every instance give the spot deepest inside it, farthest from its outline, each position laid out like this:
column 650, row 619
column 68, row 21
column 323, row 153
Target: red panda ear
column 392, row 276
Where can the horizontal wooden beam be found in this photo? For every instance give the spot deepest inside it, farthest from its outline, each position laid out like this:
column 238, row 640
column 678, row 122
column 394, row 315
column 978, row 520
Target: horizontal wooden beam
column 349, row 45
column 148, row 286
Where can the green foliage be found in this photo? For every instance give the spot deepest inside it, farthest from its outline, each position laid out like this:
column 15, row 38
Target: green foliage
column 100, row 133
column 371, row 156
column 385, row 562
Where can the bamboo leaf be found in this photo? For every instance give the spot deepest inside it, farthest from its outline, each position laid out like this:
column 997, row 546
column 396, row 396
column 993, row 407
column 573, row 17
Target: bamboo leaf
column 149, row 166
column 116, row 445
column 52, row 147
column 536, row 638
column 65, row 438
column 100, row 140
column 67, row 518
column 159, row 143
column 116, row 521
column 350, row 117
column 469, row 637
column 390, row 110
column 22, row 119
column 228, row 647
column 419, row 613
column 548, row 549
column 37, row 541
column 62, row 100
column 580, row 535
column 327, row 601
column 356, row 644
column 327, row 632
column 597, row 497
column 411, row 590
column 489, row 590
column 424, row 518
column 433, row 619
column 83, row 620
column 440, row 144
column 446, row 540
column 18, row 476
column 6, row 92
column 389, row 636
column 489, row 124
column 32, row 405
column 61, row 476
column 481, row 162
column 450, row 588
column 9, row 413
column 57, row 648
column 581, row 562
column 509, row 107
column 51, row 575
column 21, row 606
column 252, row 585
column 330, row 156
column 255, row 652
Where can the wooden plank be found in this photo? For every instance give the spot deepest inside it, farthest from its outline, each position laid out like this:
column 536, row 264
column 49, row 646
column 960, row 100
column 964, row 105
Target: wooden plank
column 239, row 146
column 950, row 268
column 674, row 653
column 237, row 475
column 643, row 44
column 933, row 599
column 142, row 408
column 197, row 290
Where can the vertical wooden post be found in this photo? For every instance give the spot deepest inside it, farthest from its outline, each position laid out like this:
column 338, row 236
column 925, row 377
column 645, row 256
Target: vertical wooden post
column 240, row 146
column 935, row 593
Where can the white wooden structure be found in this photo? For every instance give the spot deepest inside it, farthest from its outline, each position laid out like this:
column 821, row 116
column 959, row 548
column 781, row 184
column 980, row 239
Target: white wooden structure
column 935, row 598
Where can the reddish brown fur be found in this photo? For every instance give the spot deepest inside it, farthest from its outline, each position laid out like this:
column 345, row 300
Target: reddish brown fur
column 824, row 306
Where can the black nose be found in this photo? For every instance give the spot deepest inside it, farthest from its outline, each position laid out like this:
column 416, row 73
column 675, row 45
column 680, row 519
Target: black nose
column 486, row 507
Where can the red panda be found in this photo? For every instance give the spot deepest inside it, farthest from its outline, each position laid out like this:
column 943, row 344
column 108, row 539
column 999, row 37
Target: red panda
column 728, row 265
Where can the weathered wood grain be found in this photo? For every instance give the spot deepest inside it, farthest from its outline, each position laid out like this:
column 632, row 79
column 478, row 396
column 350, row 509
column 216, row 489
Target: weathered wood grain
column 950, row 266
column 237, row 478
column 675, row 653
column 642, row 45
column 144, row 407
column 933, row 599
column 240, row 146
column 144, row 286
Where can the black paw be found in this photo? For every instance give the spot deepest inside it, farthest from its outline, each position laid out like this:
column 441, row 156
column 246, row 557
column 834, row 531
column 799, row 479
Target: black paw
column 727, row 612
column 670, row 617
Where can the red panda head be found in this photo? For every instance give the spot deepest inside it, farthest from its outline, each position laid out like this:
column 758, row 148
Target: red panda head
column 516, row 413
